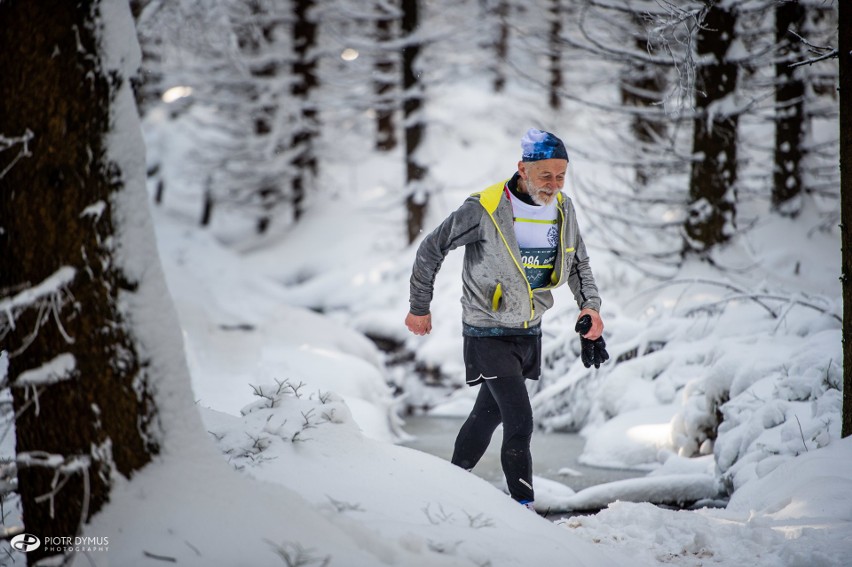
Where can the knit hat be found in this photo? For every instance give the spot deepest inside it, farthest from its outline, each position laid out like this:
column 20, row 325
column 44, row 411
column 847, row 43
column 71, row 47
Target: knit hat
column 538, row 145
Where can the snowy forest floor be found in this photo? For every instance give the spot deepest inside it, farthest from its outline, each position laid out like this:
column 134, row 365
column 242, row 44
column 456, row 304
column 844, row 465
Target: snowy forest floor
column 294, row 396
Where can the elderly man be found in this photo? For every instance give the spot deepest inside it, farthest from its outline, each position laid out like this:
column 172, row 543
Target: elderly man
column 521, row 241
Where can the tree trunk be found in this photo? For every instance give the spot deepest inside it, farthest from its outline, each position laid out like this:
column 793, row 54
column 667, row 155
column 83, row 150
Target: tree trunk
column 80, row 386
column 207, row 206
column 305, row 72
column 385, row 84
column 417, row 198
column 845, row 49
column 148, row 85
column 500, row 42
column 714, row 147
column 642, row 86
column 555, row 55
column 789, row 111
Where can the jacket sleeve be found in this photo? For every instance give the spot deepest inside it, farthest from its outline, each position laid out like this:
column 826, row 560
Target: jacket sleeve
column 580, row 278
column 462, row 227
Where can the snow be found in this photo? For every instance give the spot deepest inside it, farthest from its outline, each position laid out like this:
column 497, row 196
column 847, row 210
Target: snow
column 94, row 210
column 296, row 400
column 632, row 439
column 279, row 432
column 799, row 514
column 55, row 370
column 50, row 286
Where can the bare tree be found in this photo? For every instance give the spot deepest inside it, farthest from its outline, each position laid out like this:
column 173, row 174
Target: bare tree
column 80, row 383
column 251, row 130
column 304, row 69
column 149, row 84
column 496, row 14
column 386, row 81
column 713, row 176
column 417, row 199
column 643, row 86
column 789, row 113
column 555, row 56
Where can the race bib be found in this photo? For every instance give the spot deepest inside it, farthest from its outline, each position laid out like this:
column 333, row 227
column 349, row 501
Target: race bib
column 538, row 265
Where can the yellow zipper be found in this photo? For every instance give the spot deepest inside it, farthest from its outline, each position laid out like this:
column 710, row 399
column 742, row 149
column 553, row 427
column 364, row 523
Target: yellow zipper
column 565, row 250
column 520, row 268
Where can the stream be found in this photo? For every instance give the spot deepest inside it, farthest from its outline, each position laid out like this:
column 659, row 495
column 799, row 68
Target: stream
column 554, row 454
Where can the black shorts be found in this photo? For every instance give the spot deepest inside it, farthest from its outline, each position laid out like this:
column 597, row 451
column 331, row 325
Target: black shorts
column 494, row 357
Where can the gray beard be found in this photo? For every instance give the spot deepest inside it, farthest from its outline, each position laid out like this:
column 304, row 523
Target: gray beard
column 535, row 194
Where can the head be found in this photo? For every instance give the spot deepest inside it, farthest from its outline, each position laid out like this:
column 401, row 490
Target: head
column 543, row 165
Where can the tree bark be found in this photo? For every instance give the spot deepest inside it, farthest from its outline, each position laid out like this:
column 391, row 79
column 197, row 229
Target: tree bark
column 417, row 199
column 501, row 46
column 789, row 111
column 305, row 71
column 714, row 147
column 94, row 417
column 555, row 55
column 385, row 85
column 845, row 50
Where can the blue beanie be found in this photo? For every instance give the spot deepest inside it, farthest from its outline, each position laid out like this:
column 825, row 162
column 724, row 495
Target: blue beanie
column 538, row 145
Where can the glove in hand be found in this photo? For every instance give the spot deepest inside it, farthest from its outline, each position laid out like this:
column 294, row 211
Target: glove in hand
column 591, row 351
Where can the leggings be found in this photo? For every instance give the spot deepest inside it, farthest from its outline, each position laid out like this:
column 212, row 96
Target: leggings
column 500, row 400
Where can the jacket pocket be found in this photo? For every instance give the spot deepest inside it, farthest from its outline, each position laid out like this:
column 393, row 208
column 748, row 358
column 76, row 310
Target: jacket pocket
column 570, row 253
column 497, row 297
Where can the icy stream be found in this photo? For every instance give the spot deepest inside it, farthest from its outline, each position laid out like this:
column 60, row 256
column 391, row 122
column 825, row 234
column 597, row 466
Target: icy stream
column 554, row 454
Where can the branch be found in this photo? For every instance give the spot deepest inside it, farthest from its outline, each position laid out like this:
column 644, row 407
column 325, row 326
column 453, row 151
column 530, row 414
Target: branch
column 824, row 51
column 59, row 279
column 725, row 285
column 830, row 55
column 6, row 143
column 757, row 297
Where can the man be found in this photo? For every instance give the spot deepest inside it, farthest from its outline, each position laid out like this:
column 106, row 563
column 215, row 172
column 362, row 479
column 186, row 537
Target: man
column 521, row 241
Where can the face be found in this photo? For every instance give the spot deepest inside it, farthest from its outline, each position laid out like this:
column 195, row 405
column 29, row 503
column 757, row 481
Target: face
column 543, row 179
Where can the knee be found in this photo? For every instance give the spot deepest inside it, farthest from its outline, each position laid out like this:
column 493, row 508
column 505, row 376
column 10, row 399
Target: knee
column 520, row 426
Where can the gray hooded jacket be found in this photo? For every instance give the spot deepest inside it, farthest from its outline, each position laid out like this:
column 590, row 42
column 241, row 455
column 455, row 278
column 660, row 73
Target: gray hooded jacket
column 496, row 292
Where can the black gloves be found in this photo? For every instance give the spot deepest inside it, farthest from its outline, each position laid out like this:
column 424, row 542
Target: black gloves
column 592, row 352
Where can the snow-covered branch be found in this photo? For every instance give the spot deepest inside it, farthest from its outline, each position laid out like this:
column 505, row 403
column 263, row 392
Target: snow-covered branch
column 740, row 294
column 64, row 468
column 48, row 297
column 56, row 370
column 52, row 285
column 758, row 297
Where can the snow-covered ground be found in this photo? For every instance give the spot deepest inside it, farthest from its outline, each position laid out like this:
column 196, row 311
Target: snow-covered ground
column 294, row 396
column 290, row 458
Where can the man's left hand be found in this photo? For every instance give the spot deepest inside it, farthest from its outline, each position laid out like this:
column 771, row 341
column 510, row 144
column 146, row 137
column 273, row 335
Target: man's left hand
column 597, row 324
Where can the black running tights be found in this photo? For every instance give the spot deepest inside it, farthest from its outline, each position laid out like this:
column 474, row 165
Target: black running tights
column 499, row 400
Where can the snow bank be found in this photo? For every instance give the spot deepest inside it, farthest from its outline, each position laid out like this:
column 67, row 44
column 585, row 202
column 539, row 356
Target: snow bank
column 799, row 514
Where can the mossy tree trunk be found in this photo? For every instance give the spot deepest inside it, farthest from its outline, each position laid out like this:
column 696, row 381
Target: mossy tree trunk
column 80, row 386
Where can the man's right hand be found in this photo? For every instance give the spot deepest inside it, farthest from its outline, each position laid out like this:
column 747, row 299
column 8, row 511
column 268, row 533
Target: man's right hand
column 419, row 324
